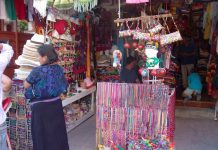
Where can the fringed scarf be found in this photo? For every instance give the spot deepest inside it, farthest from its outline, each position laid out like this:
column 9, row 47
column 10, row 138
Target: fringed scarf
column 84, row 5
column 61, row 4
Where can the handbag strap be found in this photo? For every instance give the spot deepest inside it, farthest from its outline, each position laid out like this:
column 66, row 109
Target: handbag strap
column 165, row 23
column 175, row 24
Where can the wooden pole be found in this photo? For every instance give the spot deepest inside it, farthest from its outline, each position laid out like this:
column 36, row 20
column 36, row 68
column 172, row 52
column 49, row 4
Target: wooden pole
column 88, row 61
column 143, row 18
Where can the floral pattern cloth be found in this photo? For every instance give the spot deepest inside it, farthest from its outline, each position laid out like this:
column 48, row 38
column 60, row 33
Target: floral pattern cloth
column 47, row 81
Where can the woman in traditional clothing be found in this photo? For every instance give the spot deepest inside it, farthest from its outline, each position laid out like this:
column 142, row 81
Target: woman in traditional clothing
column 44, row 86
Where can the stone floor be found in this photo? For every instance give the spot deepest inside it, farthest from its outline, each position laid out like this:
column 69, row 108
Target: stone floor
column 195, row 130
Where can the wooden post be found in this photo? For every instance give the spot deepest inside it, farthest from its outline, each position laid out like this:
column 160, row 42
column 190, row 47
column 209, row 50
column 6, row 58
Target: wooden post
column 88, row 61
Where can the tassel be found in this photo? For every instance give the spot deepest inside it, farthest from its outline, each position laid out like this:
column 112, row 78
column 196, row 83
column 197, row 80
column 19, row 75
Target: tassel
column 84, row 5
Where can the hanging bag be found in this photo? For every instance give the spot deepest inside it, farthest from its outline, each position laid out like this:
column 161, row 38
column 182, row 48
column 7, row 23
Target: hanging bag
column 171, row 37
column 157, row 27
column 128, row 32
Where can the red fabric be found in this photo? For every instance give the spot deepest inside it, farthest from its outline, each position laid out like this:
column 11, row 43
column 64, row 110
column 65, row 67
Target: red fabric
column 73, row 29
column 20, row 9
column 6, row 103
column 61, row 26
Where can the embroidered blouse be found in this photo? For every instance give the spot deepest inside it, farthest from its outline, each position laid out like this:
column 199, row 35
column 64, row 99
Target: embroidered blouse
column 47, row 81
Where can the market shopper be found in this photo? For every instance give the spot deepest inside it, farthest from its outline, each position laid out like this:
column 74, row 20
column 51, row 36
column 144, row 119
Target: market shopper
column 6, row 53
column 194, row 86
column 128, row 73
column 187, row 57
column 44, row 86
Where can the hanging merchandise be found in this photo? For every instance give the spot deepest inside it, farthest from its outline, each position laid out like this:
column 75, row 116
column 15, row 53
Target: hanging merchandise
column 61, row 4
column 102, row 29
column 136, row 1
column 40, row 6
column 10, row 9
column 66, row 34
column 152, row 62
column 84, row 5
column 127, row 113
column 170, row 38
column 157, row 28
column 30, row 10
column 207, row 22
column 3, row 12
column 117, row 55
column 20, row 9
column 19, row 119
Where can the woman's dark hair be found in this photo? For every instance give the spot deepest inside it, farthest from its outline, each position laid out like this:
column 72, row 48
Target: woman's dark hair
column 130, row 59
column 49, row 51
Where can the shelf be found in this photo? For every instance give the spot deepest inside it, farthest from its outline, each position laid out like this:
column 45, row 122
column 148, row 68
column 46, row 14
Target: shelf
column 78, row 122
column 77, row 96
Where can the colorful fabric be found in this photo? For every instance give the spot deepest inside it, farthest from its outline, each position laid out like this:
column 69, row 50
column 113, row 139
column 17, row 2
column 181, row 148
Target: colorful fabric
column 194, row 82
column 3, row 12
column 61, row 26
column 136, row 1
column 61, row 4
column 20, row 9
column 30, row 10
column 47, row 81
column 10, row 9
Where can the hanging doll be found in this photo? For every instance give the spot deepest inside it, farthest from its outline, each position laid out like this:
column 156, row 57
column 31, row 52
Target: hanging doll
column 117, row 55
column 152, row 62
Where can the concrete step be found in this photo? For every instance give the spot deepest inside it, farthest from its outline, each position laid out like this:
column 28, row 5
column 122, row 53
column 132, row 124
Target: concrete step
column 193, row 112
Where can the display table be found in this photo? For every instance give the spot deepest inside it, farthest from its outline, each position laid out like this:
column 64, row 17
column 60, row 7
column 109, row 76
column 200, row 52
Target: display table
column 132, row 115
column 76, row 97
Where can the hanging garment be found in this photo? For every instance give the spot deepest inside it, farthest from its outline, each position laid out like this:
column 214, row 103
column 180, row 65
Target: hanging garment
column 10, row 9
column 207, row 22
column 84, row 5
column 61, row 4
column 214, row 38
column 30, row 10
column 20, row 9
column 3, row 12
column 136, row 1
column 40, row 6
column 214, row 17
